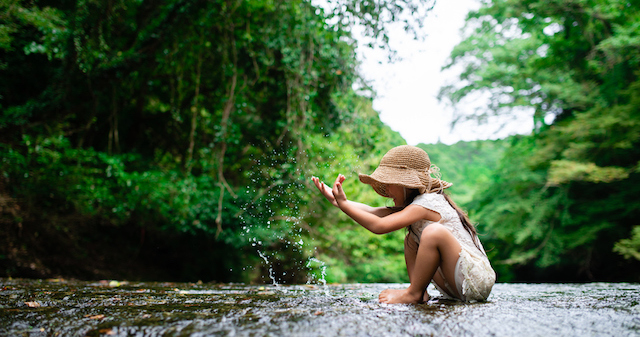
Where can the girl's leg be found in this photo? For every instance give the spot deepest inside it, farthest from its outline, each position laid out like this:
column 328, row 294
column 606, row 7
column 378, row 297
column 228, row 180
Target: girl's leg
column 410, row 252
column 438, row 248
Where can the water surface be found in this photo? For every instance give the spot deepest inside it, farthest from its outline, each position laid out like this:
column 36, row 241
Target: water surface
column 73, row 308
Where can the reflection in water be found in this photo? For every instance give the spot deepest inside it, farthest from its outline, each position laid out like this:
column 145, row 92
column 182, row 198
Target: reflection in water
column 58, row 307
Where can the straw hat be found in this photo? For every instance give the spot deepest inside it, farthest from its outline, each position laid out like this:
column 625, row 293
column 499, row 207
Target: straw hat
column 406, row 166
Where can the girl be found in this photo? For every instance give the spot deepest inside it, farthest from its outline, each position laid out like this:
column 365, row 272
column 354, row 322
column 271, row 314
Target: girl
column 441, row 245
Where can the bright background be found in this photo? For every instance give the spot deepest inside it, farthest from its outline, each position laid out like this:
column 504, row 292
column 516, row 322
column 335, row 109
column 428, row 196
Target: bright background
column 407, row 89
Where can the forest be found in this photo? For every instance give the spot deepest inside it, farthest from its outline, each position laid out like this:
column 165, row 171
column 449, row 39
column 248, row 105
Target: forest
column 175, row 140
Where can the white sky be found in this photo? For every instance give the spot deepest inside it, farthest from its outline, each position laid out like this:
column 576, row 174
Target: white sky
column 407, row 89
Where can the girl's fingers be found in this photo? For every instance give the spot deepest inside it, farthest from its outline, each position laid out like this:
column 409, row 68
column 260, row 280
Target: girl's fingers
column 337, row 190
column 318, row 183
column 324, row 189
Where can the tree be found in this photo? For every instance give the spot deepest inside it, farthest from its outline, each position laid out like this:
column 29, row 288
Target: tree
column 184, row 122
column 568, row 192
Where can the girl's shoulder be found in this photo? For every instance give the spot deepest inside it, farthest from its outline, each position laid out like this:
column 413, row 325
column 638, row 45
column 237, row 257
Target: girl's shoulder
column 438, row 203
column 432, row 201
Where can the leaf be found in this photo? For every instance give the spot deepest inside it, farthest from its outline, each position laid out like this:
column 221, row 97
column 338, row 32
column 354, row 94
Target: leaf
column 629, row 248
column 564, row 171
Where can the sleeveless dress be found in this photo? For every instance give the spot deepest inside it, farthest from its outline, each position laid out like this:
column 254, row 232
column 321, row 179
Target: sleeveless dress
column 474, row 276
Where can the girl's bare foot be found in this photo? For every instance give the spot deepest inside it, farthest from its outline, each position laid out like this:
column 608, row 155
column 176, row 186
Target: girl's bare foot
column 399, row 296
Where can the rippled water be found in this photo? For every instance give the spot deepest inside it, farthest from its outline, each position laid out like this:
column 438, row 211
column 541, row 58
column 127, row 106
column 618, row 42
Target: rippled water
column 70, row 308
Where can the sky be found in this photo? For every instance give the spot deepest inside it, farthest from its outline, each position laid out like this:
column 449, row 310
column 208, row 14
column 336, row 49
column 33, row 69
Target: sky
column 407, row 89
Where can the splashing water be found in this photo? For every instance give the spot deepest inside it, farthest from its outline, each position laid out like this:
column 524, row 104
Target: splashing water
column 271, row 276
column 278, row 239
column 323, row 269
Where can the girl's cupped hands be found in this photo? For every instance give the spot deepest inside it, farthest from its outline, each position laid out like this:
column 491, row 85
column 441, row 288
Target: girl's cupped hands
column 338, row 192
column 331, row 194
column 325, row 190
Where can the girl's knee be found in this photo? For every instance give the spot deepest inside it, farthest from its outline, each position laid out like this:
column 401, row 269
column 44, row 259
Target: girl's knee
column 434, row 231
column 439, row 236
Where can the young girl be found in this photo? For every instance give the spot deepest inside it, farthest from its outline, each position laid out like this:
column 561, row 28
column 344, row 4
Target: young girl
column 441, row 245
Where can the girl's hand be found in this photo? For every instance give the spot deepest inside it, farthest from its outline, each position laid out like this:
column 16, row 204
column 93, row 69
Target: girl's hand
column 338, row 192
column 325, row 190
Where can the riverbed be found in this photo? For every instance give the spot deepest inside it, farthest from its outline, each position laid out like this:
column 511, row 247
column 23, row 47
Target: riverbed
column 119, row 308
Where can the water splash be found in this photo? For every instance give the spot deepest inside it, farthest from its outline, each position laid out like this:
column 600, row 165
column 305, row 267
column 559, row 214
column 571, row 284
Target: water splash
column 323, row 270
column 271, row 276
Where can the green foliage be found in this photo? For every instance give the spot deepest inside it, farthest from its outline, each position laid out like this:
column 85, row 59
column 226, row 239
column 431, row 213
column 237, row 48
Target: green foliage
column 48, row 21
column 629, row 248
column 468, row 165
column 564, row 171
column 564, row 195
column 201, row 119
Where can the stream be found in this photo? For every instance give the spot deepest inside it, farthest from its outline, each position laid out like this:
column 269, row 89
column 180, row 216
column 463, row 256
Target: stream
column 117, row 308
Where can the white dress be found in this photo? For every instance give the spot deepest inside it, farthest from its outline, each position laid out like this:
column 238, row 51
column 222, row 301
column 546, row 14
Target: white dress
column 474, row 275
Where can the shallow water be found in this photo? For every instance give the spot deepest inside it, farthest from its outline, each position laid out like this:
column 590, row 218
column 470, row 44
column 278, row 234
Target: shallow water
column 71, row 308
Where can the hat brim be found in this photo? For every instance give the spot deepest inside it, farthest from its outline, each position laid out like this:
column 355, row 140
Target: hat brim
column 385, row 175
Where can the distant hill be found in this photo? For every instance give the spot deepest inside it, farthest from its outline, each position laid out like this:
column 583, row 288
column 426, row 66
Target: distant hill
column 466, row 164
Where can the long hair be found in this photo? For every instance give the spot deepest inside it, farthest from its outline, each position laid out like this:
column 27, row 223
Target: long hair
column 464, row 218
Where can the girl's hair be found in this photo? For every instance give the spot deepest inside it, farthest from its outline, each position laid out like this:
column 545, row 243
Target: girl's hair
column 464, row 218
column 409, row 195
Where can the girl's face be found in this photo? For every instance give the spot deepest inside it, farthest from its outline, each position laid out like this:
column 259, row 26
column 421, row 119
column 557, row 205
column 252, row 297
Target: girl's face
column 397, row 193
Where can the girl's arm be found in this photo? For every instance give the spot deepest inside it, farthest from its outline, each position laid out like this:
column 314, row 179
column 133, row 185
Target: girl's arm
column 328, row 194
column 377, row 211
column 375, row 224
